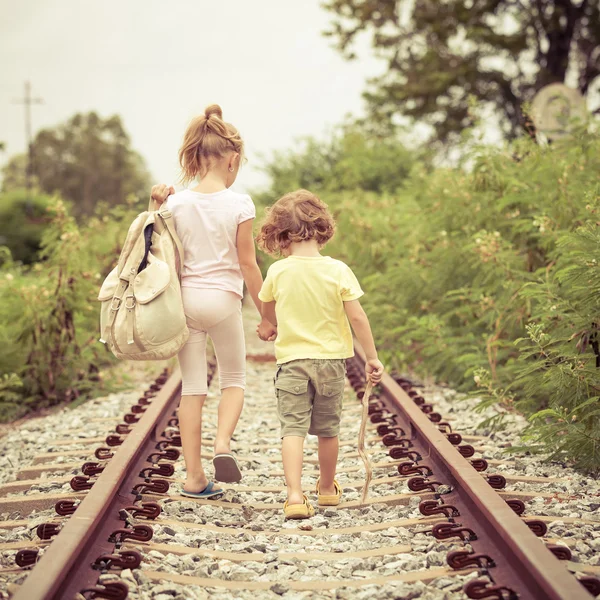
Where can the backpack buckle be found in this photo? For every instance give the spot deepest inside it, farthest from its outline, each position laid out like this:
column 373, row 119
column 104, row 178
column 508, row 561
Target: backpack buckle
column 115, row 303
column 130, row 305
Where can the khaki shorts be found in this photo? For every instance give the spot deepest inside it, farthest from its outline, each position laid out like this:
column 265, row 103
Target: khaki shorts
column 309, row 394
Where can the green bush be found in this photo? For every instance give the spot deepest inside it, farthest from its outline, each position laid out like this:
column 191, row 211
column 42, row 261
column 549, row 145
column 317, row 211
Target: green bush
column 48, row 342
column 23, row 218
column 489, row 278
column 352, row 159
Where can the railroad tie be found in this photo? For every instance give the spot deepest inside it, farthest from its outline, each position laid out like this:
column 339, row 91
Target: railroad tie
column 432, row 483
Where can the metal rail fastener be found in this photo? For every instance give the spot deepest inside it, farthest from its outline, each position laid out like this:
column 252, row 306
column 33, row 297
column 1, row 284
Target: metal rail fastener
column 496, row 533
column 71, row 564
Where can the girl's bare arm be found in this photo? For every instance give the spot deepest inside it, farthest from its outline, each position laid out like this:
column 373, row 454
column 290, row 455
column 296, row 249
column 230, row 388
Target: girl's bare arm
column 269, row 312
column 247, row 259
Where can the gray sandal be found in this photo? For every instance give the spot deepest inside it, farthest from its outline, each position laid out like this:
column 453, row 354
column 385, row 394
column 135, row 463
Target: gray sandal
column 208, row 492
column 227, row 469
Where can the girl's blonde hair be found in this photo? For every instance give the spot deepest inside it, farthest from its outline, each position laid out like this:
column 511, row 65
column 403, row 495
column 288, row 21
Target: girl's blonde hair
column 207, row 137
column 295, row 217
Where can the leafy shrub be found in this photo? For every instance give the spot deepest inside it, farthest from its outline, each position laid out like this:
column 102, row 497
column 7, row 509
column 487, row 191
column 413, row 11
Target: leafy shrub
column 22, row 222
column 352, row 159
column 48, row 343
column 490, row 277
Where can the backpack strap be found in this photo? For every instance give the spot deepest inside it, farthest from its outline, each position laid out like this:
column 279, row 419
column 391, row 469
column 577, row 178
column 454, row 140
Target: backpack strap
column 115, row 304
column 167, row 218
column 133, row 233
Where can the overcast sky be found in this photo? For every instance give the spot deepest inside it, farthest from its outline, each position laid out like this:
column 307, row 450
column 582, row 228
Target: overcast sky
column 159, row 63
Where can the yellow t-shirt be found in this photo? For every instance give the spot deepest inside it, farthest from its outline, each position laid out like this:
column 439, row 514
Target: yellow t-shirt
column 309, row 294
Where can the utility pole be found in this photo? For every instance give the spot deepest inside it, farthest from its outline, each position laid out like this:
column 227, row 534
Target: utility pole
column 27, row 101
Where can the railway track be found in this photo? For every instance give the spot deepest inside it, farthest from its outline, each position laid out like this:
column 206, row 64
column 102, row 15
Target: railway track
column 437, row 518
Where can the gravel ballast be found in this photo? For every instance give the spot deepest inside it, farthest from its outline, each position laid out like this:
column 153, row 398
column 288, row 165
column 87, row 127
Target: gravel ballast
column 257, row 532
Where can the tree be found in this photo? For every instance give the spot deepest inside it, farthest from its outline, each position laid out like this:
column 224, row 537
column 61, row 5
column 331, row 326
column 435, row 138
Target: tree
column 352, row 159
column 13, row 174
column 441, row 52
column 86, row 160
column 23, row 218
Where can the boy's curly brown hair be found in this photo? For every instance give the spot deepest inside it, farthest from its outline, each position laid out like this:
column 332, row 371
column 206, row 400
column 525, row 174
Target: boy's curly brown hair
column 295, row 217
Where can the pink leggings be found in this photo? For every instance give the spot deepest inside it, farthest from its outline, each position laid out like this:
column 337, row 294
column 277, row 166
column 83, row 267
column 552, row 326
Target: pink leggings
column 218, row 314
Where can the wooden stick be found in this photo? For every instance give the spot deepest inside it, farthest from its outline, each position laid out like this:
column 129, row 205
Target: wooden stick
column 361, row 440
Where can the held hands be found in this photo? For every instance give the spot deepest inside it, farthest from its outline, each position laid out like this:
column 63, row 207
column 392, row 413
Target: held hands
column 374, row 370
column 267, row 332
column 161, row 192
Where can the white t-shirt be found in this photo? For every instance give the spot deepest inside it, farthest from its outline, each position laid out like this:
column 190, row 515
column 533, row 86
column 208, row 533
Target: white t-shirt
column 207, row 227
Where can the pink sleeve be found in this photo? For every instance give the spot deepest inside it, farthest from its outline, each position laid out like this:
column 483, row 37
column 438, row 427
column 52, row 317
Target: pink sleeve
column 247, row 210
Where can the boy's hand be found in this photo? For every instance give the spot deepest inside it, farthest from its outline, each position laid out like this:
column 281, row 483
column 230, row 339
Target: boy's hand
column 161, row 192
column 374, row 370
column 267, row 332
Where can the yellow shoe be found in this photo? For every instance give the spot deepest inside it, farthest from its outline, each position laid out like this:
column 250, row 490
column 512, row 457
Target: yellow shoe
column 332, row 499
column 298, row 511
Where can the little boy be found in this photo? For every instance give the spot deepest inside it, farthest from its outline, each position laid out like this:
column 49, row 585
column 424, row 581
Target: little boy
column 310, row 298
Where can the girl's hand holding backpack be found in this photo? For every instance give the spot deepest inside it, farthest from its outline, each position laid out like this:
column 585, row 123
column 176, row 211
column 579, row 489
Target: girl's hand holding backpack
column 160, row 193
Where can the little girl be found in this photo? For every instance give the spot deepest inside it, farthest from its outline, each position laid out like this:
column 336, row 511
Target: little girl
column 310, row 298
column 214, row 224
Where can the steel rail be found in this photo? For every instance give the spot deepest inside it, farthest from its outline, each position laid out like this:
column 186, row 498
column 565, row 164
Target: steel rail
column 68, row 566
column 522, row 563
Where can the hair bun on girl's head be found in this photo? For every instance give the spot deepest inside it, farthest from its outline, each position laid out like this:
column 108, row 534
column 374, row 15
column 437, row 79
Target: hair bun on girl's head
column 213, row 109
column 207, row 138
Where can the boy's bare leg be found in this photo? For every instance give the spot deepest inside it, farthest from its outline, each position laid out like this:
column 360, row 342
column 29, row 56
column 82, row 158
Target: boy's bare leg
column 328, row 456
column 190, row 427
column 292, row 449
column 230, row 409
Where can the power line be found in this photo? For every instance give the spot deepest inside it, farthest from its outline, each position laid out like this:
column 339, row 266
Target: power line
column 27, row 101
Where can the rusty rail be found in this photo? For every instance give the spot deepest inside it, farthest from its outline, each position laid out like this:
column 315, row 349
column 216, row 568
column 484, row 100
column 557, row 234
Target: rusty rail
column 505, row 548
column 92, row 539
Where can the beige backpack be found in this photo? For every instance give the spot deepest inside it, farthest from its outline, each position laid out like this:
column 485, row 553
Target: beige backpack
column 142, row 315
